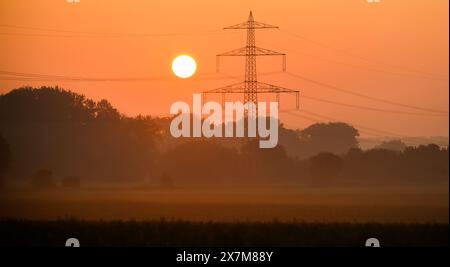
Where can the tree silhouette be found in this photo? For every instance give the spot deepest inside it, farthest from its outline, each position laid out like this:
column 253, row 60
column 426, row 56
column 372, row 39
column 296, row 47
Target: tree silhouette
column 75, row 135
column 70, row 182
column 5, row 155
column 43, row 179
column 5, row 158
column 325, row 167
column 336, row 137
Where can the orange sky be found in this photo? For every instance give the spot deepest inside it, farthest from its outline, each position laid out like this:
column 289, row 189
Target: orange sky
column 395, row 50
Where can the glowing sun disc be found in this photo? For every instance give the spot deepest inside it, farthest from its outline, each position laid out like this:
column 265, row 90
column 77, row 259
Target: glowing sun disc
column 184, row 66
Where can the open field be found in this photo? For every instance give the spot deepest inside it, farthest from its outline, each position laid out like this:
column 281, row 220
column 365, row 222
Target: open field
column 225, row 216
column 231, row 204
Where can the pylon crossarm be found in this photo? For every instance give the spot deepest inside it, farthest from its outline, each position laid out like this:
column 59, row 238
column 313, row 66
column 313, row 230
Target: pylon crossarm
column 261, row 88
column 258, row 51
column 252, row 25
column 244, row 51
column 265, row 86
column 228, row 89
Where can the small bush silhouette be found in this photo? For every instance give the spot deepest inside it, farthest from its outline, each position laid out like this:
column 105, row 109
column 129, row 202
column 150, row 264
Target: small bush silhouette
column 71, row 182
column 5, row 155
column 43, row 179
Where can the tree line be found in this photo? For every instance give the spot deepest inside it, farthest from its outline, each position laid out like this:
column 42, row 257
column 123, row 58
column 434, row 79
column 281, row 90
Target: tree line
column 50, row 132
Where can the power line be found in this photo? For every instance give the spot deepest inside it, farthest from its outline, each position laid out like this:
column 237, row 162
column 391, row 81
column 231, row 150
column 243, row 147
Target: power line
column 383, row 71
column 106, row 36
column 396, row 66
column 213, row 32
column 101, row 34
column 45, row 77
column 350, row 92
column 369, row 108
column 161, row 78
column 22, row 76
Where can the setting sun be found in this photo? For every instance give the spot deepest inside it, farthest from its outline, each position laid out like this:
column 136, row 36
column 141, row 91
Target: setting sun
column 184, row 66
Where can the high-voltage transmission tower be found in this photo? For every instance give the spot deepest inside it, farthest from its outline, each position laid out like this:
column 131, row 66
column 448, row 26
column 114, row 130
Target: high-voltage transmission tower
column 251, row 87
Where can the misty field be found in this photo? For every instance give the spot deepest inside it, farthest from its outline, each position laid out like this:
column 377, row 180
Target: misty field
column 230, row 204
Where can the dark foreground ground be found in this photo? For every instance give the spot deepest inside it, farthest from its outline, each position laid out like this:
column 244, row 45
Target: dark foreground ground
column 249, row 234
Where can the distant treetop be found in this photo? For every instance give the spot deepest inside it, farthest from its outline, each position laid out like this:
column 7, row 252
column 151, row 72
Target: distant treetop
column 53, row 104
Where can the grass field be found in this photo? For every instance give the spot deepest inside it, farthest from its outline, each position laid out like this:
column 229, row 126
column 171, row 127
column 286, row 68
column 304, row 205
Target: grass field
column 231, row 204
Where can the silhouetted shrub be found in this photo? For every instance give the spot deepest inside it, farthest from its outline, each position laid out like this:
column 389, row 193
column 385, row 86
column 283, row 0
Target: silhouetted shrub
column 5, row 155
column 43, row 179
column 71, row 182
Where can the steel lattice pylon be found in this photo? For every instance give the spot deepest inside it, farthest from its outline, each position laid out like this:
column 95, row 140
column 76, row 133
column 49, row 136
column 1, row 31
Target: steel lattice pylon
column 251, row 87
